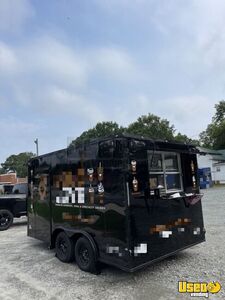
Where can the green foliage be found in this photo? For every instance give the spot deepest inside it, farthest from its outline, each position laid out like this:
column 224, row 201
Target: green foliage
column 220, row 113
column 185, row 139
column 152, row 126
column 101, row 129
column 17, row 163
column 214, row 135
column 149, row 125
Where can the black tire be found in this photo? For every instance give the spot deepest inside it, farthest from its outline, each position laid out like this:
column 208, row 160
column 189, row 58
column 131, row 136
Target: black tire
column 64, row 247
column 6, row 219
column 85, row 256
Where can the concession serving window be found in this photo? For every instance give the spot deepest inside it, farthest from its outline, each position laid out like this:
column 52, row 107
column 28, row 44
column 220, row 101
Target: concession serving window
column 165, row 171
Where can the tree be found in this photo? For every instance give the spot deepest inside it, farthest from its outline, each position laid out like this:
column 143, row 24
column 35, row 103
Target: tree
column 183, row 138
column 214, row 135
column 220, row 113
column 17, row 163
column 101, row 129
column 152, row 126
column 149, row 125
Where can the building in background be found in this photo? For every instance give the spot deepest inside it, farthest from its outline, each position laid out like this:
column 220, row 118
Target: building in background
column 211, row 166
column 11, row 178
column 220, row 170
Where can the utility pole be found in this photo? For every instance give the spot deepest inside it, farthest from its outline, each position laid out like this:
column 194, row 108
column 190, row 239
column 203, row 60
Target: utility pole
column 36, row 142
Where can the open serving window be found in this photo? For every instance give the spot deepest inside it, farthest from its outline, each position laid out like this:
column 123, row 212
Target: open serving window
column 165, row 171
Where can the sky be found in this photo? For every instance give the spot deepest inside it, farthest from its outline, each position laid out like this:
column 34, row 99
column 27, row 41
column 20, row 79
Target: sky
column 66, row 65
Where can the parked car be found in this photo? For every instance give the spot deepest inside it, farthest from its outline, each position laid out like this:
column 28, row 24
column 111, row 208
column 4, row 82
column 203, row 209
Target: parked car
column 6, row 188
column 13, row 205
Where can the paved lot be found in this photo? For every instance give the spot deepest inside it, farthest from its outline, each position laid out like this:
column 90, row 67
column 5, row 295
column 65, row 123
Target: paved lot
column 29, row 271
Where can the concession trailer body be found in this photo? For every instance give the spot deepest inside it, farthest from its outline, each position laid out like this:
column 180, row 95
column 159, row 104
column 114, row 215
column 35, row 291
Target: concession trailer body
column 125, row 200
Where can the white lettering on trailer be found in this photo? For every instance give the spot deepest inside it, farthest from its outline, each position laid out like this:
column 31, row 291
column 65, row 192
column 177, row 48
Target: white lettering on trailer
column 140, row 248
column 165, row 234
column 71, row 193
column 80, row 194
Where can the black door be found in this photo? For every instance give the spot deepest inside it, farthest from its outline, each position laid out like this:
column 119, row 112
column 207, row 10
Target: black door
column 42, row 204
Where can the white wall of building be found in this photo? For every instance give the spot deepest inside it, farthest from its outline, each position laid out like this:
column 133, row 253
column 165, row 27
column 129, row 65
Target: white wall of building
column 220, row 173
column 217, row 171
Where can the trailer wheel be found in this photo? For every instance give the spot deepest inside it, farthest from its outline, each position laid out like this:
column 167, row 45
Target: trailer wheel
column 6, row 219
column 85, row 256
column 64, row 247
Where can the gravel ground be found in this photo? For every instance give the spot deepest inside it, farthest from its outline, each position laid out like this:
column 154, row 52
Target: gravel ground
column 29, row 271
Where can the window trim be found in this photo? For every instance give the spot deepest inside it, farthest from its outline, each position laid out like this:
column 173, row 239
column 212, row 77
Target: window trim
column 164, row 172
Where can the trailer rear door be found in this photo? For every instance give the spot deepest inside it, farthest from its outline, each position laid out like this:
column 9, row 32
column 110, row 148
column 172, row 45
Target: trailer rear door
column 41, row 204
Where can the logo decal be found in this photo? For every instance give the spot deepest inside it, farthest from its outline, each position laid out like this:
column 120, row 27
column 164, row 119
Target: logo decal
column 71, row 196
column 199, row 289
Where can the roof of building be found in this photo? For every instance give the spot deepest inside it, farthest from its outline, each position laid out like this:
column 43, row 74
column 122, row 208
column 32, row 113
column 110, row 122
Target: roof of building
column 218, row 155
column 222, row 151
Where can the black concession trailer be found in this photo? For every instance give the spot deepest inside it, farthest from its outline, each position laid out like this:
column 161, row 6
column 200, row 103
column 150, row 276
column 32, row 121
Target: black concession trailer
column 127, row 201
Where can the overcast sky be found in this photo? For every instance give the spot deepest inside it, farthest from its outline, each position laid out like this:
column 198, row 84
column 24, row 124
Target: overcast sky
column 65, row 65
